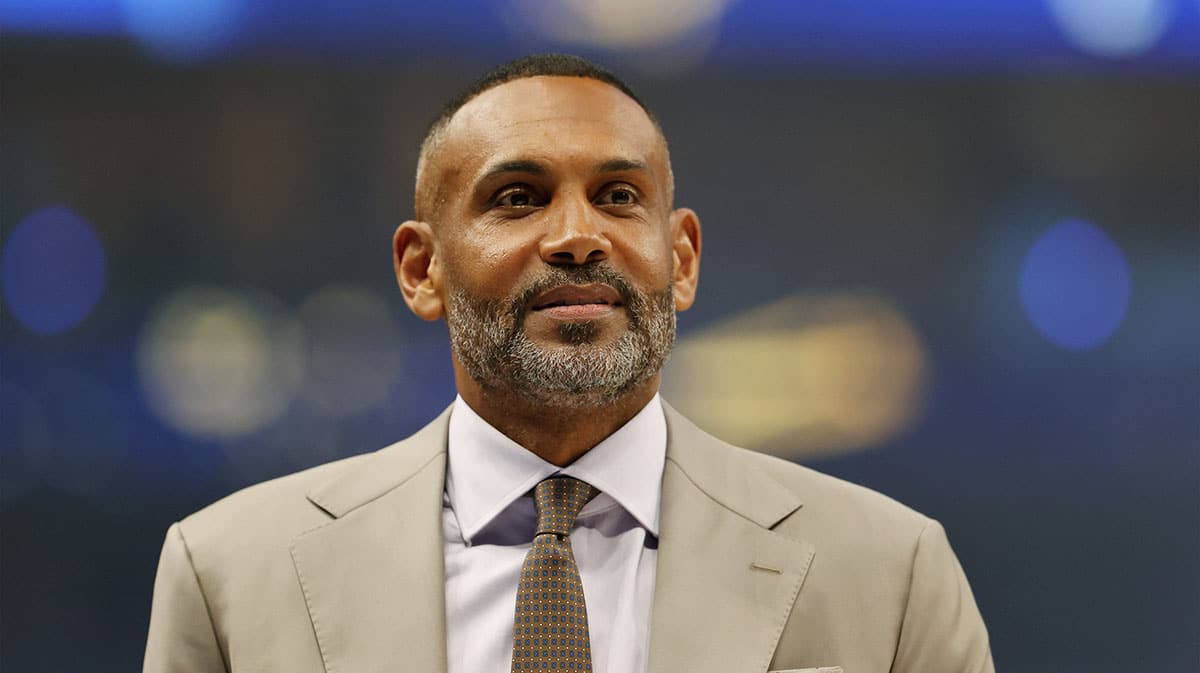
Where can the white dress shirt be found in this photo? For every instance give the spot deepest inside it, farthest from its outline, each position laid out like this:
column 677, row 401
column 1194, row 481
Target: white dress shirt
column 488, row 522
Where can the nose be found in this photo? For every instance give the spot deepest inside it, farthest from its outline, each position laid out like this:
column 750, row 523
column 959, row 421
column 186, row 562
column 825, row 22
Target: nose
column 577, row 236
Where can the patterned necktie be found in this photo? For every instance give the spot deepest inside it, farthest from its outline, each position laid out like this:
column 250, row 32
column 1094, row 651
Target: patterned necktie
column 551, row 628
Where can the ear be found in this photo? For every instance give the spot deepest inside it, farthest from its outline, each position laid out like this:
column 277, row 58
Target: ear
column 417, row 270
column 685, row 233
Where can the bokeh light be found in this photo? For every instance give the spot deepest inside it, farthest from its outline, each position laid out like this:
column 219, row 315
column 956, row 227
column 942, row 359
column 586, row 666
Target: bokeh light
column 1075, row 285
column 354, row 351
column 1112, row 28
column 803, row 376
column 54, row 270
column 183, row 30
column 216, row 363
column 620, row 24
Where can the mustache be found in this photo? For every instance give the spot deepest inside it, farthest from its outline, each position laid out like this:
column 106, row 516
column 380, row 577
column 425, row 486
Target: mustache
column 597, row 272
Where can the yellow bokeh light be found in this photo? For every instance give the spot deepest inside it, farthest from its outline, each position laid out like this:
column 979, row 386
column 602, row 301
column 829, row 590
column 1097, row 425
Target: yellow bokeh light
column 805, row 376
column 216, row 363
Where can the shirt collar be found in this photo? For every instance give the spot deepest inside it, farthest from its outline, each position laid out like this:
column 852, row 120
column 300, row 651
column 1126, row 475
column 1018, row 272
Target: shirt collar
column 487, row 471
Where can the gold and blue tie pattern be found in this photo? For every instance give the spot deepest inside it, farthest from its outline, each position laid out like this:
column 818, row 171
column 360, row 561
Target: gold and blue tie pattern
column 551, row 628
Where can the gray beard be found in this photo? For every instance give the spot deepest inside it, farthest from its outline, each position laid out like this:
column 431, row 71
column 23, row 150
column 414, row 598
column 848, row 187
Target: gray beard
column 488, row 337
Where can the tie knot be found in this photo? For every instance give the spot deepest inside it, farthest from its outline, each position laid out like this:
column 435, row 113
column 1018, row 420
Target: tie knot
column 558, row 501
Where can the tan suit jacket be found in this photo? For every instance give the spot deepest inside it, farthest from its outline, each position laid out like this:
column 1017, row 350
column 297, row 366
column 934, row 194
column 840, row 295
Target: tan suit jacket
column 763, row 565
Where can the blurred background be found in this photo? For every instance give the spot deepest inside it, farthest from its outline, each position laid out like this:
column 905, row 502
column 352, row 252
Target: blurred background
column 951, row 253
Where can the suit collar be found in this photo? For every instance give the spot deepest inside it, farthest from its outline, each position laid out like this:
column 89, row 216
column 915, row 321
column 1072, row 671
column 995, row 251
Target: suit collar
column 724, row 474
column 714, row 466
column 382, row 471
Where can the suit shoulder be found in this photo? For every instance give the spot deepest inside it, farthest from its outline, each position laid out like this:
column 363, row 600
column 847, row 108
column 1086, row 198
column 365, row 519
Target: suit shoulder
column 273, row 509
column 826, row 497
column 819, row 502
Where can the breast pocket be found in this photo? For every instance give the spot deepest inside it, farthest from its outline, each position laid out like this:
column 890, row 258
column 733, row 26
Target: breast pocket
column 823, row 669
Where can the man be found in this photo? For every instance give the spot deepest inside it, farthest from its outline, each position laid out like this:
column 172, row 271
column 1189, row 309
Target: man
column 559, row 515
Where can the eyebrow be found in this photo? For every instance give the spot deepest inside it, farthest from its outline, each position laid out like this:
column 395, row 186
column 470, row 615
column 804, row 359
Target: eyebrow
column 621, row 165
column 515, row 166
column 532, row 167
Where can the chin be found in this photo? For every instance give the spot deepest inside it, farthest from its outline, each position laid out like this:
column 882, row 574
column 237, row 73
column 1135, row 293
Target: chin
column 591, row 398
column 579, row 333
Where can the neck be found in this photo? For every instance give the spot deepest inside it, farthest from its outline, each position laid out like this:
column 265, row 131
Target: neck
column 557, row 434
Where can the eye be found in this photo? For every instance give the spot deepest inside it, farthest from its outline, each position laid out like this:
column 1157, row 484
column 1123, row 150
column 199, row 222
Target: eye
column 516, row 197
column 619, row 195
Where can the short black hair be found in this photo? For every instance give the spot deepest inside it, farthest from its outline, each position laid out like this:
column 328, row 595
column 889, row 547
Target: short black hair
column 535, row 65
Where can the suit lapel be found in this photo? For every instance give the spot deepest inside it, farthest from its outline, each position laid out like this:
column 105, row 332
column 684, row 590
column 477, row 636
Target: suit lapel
column 726, row 582
column 373, row 577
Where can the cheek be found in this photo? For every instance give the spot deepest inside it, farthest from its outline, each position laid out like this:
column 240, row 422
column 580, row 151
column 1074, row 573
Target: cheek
column 650, row 261
column 486, row 263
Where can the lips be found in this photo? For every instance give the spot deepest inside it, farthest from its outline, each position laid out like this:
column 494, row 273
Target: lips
column 595, row 294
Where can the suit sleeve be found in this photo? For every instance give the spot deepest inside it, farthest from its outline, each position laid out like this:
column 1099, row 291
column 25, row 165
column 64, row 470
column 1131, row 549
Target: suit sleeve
column 943, row 631
column 182, row 638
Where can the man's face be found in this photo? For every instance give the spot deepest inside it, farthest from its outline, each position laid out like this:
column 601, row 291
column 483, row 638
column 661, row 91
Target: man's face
column 556, row 250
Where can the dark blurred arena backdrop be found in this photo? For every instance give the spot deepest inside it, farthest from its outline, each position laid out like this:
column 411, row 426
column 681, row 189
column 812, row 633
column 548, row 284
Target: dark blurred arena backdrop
column 951, row 253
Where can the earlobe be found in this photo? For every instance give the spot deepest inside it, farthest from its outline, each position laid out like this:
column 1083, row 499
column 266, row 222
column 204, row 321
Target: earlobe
column 685, row 231
column 417, row 270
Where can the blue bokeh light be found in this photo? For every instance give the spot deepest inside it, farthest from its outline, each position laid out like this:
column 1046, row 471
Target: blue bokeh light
column 54, row 270
column 183, row 30
column 1075, row 285
column 1160, row 35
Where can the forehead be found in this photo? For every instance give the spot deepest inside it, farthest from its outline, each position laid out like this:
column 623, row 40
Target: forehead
column 553, row 119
